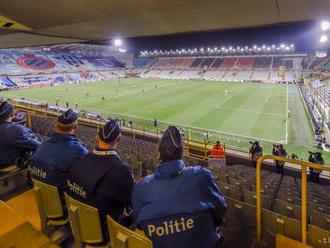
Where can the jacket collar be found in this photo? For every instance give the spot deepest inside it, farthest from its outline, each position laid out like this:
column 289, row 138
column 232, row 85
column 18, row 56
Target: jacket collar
column 170, row 169
column 62, row 137
column 102, row 152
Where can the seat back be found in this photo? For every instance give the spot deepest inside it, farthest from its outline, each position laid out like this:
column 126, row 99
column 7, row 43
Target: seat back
column 318, row 237
column 122, row 237
column 49, row 204
column 276, row 223
column 85, row 222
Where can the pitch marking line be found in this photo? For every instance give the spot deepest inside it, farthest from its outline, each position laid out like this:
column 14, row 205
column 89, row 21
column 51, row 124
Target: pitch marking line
column 286, row 113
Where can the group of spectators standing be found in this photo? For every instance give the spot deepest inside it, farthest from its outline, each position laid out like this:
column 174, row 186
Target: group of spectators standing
column 256, row 152
column 177, row 206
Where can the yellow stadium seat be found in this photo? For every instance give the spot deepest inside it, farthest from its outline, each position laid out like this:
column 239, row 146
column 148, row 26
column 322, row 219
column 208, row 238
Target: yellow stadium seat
column 9, row 169
column 12, row 178
column 122, row 237
column 318, row 237
column 17, row 232
column 49, row 205
column 85, row 224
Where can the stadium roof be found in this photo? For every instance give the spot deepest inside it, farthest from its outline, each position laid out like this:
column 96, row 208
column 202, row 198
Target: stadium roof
column 64, row 21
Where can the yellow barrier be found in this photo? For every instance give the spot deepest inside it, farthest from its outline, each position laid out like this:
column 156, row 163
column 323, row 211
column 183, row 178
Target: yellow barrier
column 304, row 166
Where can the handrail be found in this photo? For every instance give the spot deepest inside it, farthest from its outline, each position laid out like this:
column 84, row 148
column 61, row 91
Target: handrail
column 303, row 165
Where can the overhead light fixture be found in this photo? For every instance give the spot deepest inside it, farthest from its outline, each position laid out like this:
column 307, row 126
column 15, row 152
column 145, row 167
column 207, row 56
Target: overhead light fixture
column 118, row 42
column 325, row 25
column 323, row 38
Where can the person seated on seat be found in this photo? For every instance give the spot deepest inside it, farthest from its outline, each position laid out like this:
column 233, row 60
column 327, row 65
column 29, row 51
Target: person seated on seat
column 178, row 206
column 16, row 141
column 54, row 157
column 102, row 179
column 217, row 150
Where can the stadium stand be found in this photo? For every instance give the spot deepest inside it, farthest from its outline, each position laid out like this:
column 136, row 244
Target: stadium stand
column 217, row 63
column 197, row 62
column 262, row 63
column 228, row 63
column 245, row 63
column 281, row 196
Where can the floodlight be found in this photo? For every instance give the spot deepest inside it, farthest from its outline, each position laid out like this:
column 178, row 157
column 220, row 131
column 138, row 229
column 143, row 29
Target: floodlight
column 122, row 50
column 325, row 25
column 282, row 45
column 118, row 42
column 254, row 47
column 223, row 48
column 323, row 38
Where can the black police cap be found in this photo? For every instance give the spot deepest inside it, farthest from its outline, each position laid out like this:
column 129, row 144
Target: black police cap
column 68, row 117
column 110, row 131
column 6, row 109
column 171, row 140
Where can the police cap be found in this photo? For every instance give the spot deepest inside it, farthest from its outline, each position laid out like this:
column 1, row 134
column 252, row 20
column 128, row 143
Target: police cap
column 110, row 131
column 68, row 117
column 6, row 109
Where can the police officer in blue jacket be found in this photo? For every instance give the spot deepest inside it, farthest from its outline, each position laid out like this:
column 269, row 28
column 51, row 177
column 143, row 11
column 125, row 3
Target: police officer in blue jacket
column 178, row 206
column 15, row 139
column 55, row 157
column 102, row 179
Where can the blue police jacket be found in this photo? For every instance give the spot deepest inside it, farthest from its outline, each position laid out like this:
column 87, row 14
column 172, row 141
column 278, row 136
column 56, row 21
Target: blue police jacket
column 54, row 158
column 179, row 206
column 15, row 139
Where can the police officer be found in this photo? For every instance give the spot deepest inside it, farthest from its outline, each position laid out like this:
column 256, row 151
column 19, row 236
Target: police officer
column 102, row 179
column 54, row 158
column 16, row 141
column 178, row 206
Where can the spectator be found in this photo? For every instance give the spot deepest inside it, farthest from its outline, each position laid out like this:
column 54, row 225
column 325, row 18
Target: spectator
column 315, row 158
column 102, row 179
column 256, row 152
column 58, row 154
column 278, row 150
column 178, row 206
column 16, row 141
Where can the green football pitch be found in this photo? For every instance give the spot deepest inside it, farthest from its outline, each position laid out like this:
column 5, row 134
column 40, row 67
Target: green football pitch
column 235, row 113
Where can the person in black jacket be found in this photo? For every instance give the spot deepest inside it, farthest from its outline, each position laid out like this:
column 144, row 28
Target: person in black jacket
column 15, row 139
column 256, row 152
column 102, row 179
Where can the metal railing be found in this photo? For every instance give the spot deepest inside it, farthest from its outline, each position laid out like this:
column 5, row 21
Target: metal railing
column 303, row 169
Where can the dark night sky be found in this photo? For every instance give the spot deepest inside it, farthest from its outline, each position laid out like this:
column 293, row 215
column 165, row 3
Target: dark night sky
column 304, row 35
